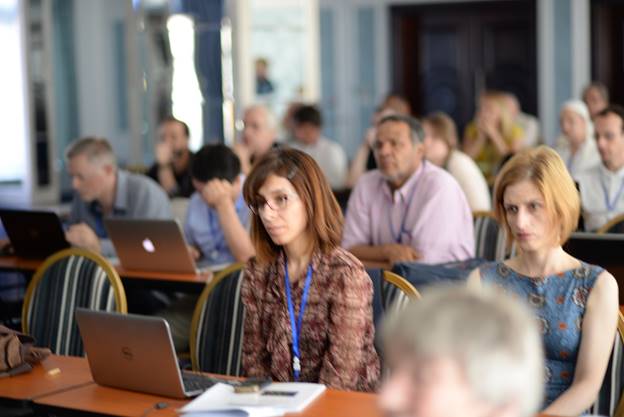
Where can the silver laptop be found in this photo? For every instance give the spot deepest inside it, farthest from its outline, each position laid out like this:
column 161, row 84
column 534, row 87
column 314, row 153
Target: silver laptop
column 150, row 245
column 136, row 353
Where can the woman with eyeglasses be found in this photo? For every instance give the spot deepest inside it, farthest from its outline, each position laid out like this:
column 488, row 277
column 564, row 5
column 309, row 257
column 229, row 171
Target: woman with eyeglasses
column 308, row 302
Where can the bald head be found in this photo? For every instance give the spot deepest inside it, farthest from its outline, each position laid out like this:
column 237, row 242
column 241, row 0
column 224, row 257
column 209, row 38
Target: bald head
column 259, row 131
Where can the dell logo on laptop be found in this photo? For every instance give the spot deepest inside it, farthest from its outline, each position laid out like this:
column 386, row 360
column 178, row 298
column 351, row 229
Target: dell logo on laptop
column 126, row 352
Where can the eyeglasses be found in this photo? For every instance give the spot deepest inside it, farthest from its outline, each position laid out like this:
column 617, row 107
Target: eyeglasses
column 278, row 202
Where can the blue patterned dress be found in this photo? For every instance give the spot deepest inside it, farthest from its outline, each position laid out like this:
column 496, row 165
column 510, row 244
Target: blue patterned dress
column 559, row 303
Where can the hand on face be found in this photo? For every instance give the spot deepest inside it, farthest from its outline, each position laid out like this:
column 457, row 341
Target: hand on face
column 217, row 192
column 486, row 123
column 164, row 153
column 370, row 135
column 83, row 236
column 396, row 252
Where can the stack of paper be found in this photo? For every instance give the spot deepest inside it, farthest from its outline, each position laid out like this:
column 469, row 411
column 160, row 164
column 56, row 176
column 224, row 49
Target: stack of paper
column 274, row 400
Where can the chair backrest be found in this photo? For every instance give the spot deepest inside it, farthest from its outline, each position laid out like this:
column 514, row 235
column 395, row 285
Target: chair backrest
column 615, row 225
column 610, row 401
column 396, row 292
column 490, row 238
column 390, row 291
column 217, row 326
column 68, row 279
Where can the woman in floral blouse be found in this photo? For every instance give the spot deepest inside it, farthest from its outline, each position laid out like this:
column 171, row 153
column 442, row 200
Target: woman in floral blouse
column 308, row 302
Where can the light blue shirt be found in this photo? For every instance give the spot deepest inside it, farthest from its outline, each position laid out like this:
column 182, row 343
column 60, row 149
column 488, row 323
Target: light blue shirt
column 203, row 230
column 136, row 197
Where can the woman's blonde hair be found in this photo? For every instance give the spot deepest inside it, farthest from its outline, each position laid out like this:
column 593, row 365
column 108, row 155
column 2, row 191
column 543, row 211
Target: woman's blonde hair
column 506, row 123
column 545, row 169
column 444, row 128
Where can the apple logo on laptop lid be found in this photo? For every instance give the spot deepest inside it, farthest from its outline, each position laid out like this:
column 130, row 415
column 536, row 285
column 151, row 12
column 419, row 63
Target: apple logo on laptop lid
column 148, row 245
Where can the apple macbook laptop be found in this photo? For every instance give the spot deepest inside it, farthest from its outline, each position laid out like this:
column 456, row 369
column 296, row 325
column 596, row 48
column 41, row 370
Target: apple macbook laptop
column 136, row 353
column 150, row 245
column 32, row 233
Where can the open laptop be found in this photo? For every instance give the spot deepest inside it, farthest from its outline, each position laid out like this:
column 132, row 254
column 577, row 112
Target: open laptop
column 33, row 234
column 604, row 250
column 150, row 245
column 136, row 353
column 601, row 249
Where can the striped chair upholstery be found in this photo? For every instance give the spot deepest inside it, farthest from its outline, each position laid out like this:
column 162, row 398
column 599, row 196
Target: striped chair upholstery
column 390, row 292
column 610, row 401
column 396, row 292
column 217, row 327
column 489, row 237
column 68, row 279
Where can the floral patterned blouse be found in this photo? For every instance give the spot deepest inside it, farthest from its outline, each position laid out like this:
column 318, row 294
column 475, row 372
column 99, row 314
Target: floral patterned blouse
column 559, row 302
column 336, row 340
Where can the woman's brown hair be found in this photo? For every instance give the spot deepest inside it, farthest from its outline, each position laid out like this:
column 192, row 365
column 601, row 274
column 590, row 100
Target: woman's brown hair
column 444, row 129
column 325, row 218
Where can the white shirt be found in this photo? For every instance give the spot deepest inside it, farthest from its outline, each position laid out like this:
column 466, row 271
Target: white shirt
column 530, row 126
column 592, row 184
column 331, row 158
column 471, row 180
column 585, row 158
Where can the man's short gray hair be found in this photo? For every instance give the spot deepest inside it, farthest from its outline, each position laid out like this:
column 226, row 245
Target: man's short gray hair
column 416, row 131
column 491, row 337
column 270, row 119
column 97, row 150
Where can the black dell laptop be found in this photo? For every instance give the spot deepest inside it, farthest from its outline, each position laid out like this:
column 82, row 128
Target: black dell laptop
column 33, row 234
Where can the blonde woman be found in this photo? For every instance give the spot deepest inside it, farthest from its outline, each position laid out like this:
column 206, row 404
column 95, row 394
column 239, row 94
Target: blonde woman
column 576, row 303
column 577, row 146
column 441, row 149
column 492, row 135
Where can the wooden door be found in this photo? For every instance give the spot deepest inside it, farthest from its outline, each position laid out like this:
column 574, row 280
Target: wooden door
column 444, row 55
column 607, row 40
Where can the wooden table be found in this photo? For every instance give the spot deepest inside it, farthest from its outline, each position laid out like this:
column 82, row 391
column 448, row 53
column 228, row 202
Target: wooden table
column 15, row 264
column 96, row 399
column 71, row 392
column 54, row 374
column 90, row 398
column 191, row 283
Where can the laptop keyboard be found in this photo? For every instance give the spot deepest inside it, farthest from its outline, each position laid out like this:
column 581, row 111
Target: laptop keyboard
column 196, row 382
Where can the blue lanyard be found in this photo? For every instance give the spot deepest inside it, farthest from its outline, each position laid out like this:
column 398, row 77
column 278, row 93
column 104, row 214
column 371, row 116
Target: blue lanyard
column 397, row 236
column 569, row 162
column 296, row 327
column 611, row 204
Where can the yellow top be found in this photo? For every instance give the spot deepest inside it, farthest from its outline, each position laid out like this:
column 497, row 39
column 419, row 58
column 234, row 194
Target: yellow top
column 489, row 158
